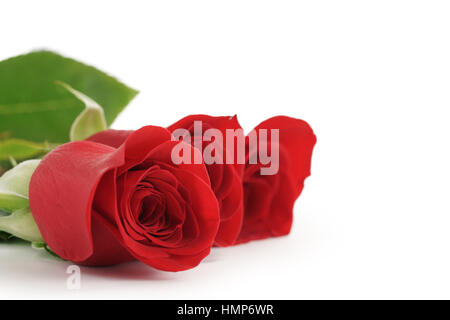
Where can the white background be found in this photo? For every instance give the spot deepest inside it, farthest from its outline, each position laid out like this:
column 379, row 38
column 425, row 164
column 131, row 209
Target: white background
column 371, row 77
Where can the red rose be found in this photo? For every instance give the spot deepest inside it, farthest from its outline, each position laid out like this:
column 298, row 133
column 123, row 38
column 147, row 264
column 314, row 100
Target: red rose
column 269, row 199
column 99, row 205
column 225, row 178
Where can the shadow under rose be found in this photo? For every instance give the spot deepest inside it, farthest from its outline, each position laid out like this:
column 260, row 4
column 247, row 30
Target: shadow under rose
column 133, row 270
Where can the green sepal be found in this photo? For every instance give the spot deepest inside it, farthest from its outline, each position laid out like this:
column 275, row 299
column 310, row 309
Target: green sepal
column 14, row 186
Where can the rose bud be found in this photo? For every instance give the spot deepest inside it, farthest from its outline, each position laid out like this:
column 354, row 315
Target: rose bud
column 269, row 198
column 225, row 176
column 98, row 204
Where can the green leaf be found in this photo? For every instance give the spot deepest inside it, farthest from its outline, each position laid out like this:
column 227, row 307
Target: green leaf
column 34, row 108
column 20, row 150
column 38, row 244
column 14, row 186
column 88, row 122
column 21, row 224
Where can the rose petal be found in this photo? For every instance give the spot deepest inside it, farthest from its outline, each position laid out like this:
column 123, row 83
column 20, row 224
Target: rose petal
column 61, row 192
column 111, row 137
column 297, row 138
column 269, row 199
column 225, row 178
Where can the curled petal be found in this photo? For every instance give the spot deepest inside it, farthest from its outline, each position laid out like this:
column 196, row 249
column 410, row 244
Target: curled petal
column 269, row 199
column 61, row 193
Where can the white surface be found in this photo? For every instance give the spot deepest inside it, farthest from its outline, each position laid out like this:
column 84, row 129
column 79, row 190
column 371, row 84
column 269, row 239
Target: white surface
column 371, row 77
